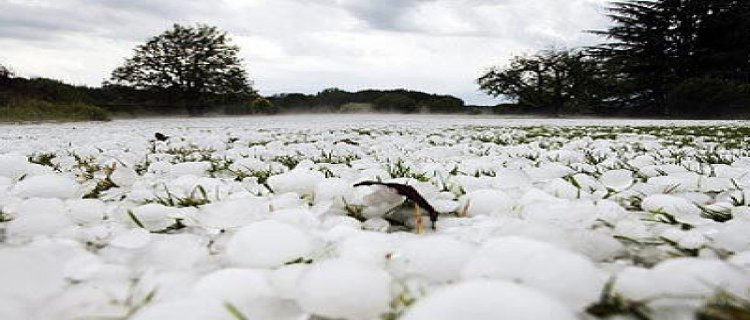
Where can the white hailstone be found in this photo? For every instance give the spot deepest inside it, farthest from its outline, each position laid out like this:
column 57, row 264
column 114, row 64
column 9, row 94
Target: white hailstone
column 131, row 239
column 574, row 279
column 687, row 179
column 31, row 225
column 334, row 190
column 13, row 310
column 300, row 181
column 247, row 164
column 366, row 247
column 733, row 236
column 46, row 186
column 715, row 184
column 617, row 180
column 572, row 214
column 162, row 285
column 742, row 162
column 631, row 228
column 741, row 213
column 642, row 161
column 285, row 278
column 333, row 221
column 639, row 284
column 588, row 182
column 673, row 205
column 83, row 301
column 452, row 223
column 693, row 240
column 486, row 202
column 232, row 213
column 548, row 171
column 535, row 195
column 673, row 234
column 488, row 300
column 610, row 211
column 741, row 259
column 598, row 246
column 13, row 166
column 560, row 188
column 686, row 277
column 86, row 211
column 185, row 309
column 34, row 206
column 417, row 257
column 123, row 176
column 159, row 167
column 732, row 195
column 236, row 286
column 510, row 178
column 5, row 184
column 302, row 218
column 376, row 224
column 197, row 169
column 268, row 244
column 154, row 216
column 720, row 206
column 444, row 205
column 288, row 200
column 566, row 156
column 345, row 289
column 82, row 267
column 697, row 198
column 29, row 275
column 190, row 184
column 726, row 171
column 175, row 252
column 470, row 183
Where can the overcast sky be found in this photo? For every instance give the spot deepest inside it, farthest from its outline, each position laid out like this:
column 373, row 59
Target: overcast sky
column 437, row 46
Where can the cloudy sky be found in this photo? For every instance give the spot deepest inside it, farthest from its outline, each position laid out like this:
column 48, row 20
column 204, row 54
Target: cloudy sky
column 303, row 45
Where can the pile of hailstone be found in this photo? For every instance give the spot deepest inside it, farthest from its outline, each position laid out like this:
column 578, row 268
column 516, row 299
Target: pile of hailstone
column 244, row 223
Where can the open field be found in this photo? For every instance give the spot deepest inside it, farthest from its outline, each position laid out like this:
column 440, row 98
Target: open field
column 259, row 218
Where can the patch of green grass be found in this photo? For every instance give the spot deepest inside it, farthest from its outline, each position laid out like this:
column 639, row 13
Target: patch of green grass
column 39, row 110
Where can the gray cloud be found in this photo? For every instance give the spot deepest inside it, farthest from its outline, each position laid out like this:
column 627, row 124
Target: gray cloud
column 383, row 14
column 308, row 45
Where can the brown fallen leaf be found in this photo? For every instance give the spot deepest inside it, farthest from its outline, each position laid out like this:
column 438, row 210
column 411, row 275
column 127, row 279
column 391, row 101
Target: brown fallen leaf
column 410, row 193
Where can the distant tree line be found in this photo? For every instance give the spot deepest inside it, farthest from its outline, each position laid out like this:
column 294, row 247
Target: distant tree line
column 337, row 100
column 35, row 99
column 683, row 58
column 686, row 58
column 190, row 70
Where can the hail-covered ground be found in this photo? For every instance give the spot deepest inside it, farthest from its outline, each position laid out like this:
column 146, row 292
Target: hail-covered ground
column 259, row 218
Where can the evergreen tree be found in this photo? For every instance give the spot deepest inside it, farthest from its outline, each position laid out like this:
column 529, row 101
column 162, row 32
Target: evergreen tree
column 659, row 44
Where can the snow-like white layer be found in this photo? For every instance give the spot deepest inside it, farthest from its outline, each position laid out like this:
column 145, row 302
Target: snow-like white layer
column 268, row 244
column 570, row 277
column 259, row 218
column 46, row 186
column 345, row 289
column 489, row 300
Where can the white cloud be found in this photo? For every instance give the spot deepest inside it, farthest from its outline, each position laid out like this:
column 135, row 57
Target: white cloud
column 302, row 45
